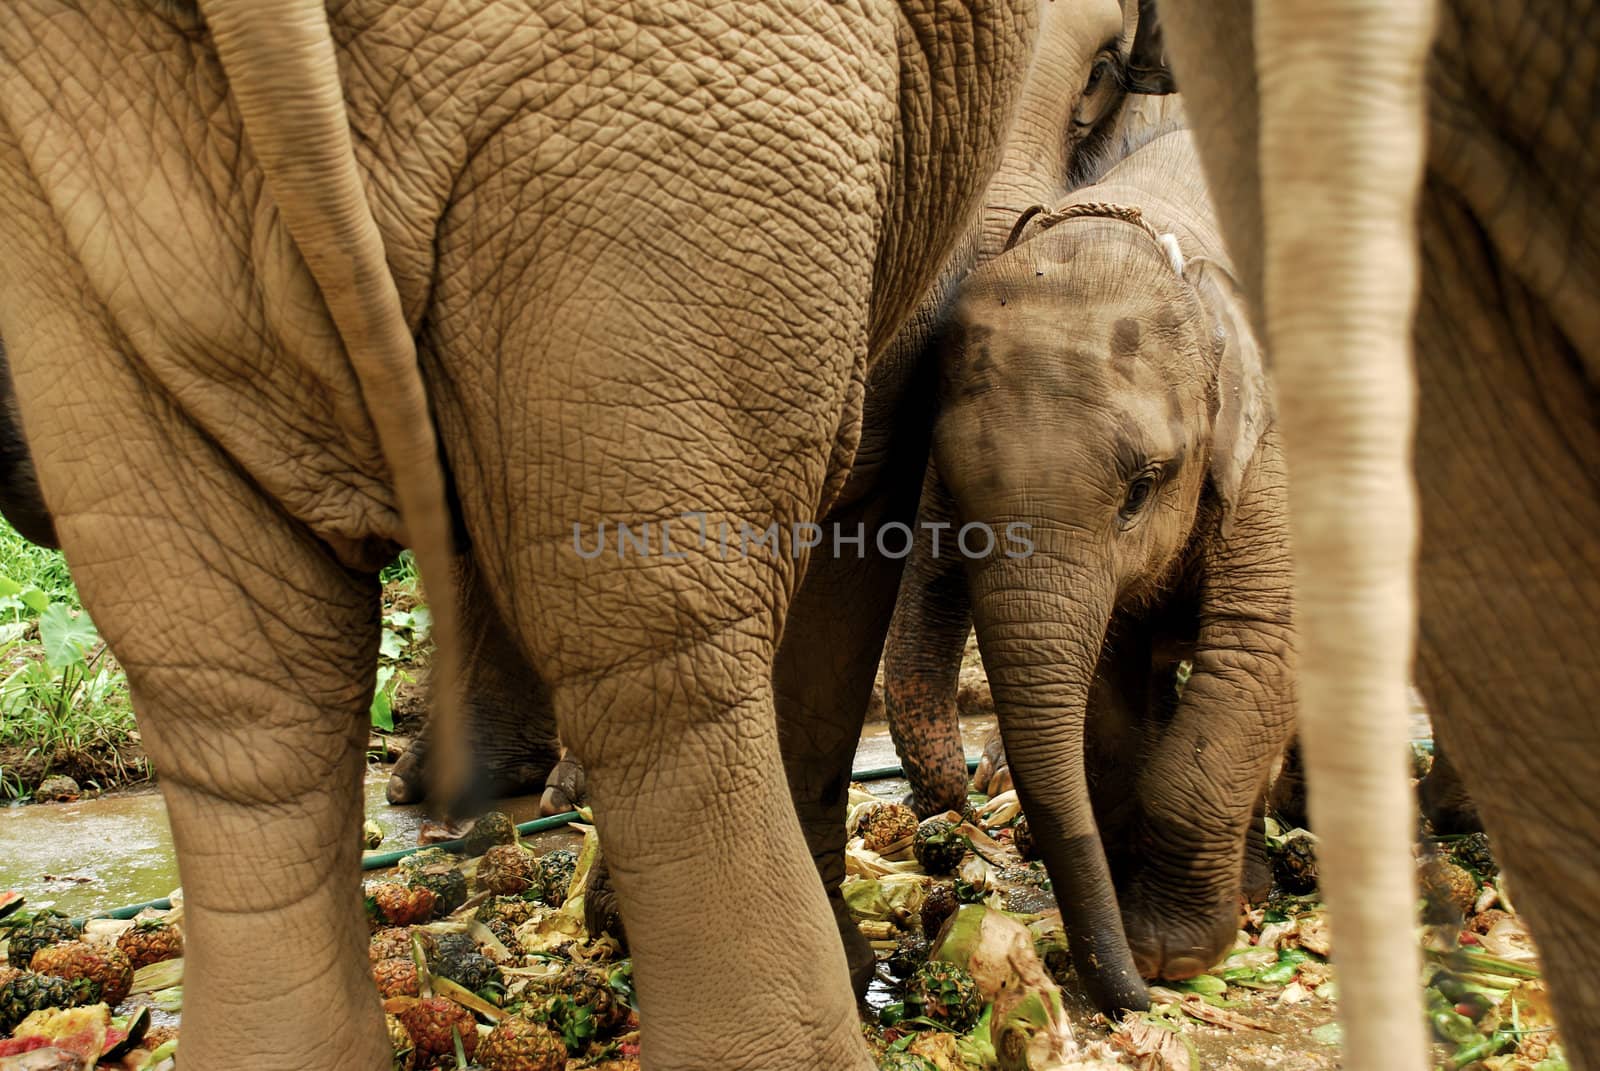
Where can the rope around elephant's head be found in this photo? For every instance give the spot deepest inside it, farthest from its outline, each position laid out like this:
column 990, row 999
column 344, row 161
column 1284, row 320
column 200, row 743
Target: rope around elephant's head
column 1045, row 218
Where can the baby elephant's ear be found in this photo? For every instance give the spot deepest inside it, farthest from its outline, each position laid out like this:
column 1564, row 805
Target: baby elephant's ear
column 1244, row 398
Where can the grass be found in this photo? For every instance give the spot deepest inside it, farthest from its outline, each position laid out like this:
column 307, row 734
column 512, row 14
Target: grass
column 64, row 705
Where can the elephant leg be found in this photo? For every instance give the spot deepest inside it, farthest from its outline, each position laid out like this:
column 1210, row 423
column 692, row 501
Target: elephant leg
column 250, row 653
column 922, row 659
column 1287, row 797
column 1509, row 592
column 1255, row 882
column 507, row 708
column 823, row 681
column 1445, row 802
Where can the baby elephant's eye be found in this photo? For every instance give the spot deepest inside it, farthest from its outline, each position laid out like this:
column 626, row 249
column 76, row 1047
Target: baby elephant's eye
column 1139, row 492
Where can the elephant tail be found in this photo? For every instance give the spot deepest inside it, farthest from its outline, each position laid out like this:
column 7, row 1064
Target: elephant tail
column 279, row 59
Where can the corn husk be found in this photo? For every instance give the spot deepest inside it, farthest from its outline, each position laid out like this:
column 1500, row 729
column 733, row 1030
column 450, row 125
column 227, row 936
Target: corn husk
column 465, row 997
column 1001, row 809
column 891, row 898
column 1028, row 1027
column 551, row 930
column 862, row 862
column 156, row 976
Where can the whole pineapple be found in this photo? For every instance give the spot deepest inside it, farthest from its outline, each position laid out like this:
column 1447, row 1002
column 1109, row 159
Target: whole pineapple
column 396, row 978
column 429, row 1022
column 1472, row 853
column 910, row 952
column 518, row 1044
column 79, row 959
column 392, row 943
column 403, row 905
column 590, row 987
column 494, row 827
column 151, row 941
column 427, row 857
column 456, row 957
column 1295, row 864
column 507, row 870
column 448, row 885
column 556, row 870
column 45, row 928
column 945, row 993
column 24, row 992
column 886, row 825
column 938, row 846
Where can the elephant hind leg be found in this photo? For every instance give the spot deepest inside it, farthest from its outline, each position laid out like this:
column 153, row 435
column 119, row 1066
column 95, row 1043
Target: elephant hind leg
column 250, row 653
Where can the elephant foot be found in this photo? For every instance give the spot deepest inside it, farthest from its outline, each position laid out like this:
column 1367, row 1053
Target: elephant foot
column 564, row 789
column 1178, row 943
column 515, row 768
column 857, row 950
column 993, row 775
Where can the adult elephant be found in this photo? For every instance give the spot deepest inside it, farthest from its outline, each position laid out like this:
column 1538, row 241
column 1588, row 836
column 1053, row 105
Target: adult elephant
column 635, row 265
column 1319, row 134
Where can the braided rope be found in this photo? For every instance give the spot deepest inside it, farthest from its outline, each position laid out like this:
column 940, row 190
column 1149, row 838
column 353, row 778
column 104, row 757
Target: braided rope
column 1045, row 218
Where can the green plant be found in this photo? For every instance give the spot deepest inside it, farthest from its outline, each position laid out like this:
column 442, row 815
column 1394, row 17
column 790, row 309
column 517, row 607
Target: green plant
column 62, row 696
column 405, row 633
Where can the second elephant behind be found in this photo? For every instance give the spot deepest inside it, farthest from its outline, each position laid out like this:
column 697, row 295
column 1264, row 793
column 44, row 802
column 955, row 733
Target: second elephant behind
column 1101, row 392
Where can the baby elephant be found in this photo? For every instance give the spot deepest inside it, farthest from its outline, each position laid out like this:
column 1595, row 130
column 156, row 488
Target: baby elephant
column 1107, row 494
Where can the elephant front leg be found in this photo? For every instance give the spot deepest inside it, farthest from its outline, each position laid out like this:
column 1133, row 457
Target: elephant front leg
column 1201, row 789
column 507, row 708
column 823, row 683
column 922, row 660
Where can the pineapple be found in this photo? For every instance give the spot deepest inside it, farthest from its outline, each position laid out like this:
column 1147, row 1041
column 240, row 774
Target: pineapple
column 946, row 994
column 939, row 904
column 151, row 941
column 396, row 978
column 24, row 992
column 887, row 825
column 448, row 885
column 403, row 905
column 392, row 943
column 906, row 1061
column 494, row 827
column 79, row 959
column 456, row 957
column 417, row 862
column 1022, row 838
column 518, row 1044
column 1295, row 864
column 46, row 928
column 556, row 870
column 404, row 1052
column 429, row 1022
column 1472, row 853
column 938, row 846
column 507, row 870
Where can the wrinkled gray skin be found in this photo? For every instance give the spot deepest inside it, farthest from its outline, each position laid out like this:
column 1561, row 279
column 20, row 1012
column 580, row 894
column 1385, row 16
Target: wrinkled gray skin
column 1090, row 58
column 1114, row 409
column 645, row 260
column 1507, row 371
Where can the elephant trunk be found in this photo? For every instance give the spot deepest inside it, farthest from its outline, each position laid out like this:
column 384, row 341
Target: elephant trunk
column 1341, row 99
column 1041, row 633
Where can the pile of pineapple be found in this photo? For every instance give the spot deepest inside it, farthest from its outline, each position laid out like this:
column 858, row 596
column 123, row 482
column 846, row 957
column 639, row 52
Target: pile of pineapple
column 60, row 990
column 502, row 960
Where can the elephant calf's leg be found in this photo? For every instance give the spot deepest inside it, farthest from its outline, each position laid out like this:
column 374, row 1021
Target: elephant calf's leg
column 507, row 708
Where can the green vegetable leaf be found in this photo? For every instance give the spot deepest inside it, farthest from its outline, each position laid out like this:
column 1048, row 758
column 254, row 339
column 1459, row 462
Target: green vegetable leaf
column 67, row 639
column 391, row 646
column 8, row 587
column 35, row 600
